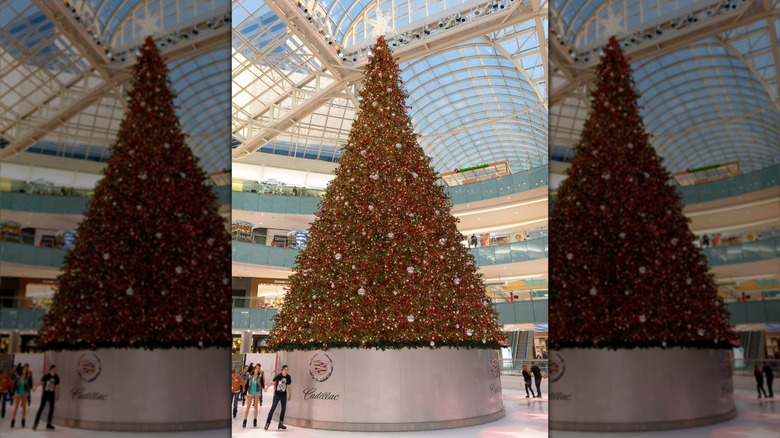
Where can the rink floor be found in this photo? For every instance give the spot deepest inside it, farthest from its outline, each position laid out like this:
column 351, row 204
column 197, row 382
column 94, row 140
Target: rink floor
column 527, row 418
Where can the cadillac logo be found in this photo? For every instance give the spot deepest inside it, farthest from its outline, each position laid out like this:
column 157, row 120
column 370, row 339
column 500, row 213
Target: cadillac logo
column 494, row 367
column 556, row 366
column 89, row 367
column 320, row 367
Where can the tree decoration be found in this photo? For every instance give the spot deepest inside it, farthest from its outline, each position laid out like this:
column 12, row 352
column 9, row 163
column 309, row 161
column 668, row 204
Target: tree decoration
column 624, row 271
column 151, row 266
column 384, row 252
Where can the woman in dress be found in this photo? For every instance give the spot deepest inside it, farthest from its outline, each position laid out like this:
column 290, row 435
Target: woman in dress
column 22, row 388
column 254, row 388
column 527, row 380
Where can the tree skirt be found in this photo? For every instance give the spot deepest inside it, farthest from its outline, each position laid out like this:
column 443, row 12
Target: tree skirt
column 639, row 389
column 393, row 390
column 142, row 390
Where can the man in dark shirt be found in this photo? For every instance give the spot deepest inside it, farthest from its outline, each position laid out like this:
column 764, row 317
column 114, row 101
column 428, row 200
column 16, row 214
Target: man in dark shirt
column 282, row 394
column 537, row 372
column 769, row 377
column 51, row 392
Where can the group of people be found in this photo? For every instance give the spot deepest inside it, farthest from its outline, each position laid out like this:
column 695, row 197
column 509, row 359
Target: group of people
column 537, row 375
column 770, row 376
column 250, row 385
column 18, row 386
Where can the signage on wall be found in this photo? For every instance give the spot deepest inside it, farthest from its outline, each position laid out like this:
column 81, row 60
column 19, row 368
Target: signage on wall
column 556, row 367
column 88, row 368
column 320, row 370
column 320, row 367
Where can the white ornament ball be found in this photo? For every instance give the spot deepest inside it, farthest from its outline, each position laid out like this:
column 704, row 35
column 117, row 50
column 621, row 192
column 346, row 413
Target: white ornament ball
column 469, row 332
column 129, row 291
column 338, row 256
column 410, row 269
column 593, row 291
column 410, row 318
column 374, row 104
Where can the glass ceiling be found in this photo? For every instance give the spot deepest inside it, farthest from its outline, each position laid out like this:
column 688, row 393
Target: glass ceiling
column 475, row 72
column 65, row 66
column 706, row 71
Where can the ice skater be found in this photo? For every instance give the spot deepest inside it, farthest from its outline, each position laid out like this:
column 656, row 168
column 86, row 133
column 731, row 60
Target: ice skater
column 22, row 388
column 537, row 372
column 770, row 376
column 255, row 385
column 759, row 381
column 527, row 380
column 51, row 392
column 237, row 388
column 282, row 394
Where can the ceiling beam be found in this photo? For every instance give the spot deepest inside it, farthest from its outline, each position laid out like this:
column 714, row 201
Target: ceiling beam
column 115, row 75
column 256, row 141
column 68, row 27
column 665, row 44
column 309, row 36
column 351, row 73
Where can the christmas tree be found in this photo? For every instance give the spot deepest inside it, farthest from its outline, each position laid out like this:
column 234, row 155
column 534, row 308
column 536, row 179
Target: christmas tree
column 151, row 265
column 624, row 270
column 384, row 266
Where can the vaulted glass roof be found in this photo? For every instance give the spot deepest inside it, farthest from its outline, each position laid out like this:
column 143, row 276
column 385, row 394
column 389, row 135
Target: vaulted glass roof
column 66, row 65
column 707, row 73
column 475, row 72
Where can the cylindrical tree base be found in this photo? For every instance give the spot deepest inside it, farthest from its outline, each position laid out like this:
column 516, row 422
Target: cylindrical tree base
column 392, row 390
column 142, row 390
column 639, row 389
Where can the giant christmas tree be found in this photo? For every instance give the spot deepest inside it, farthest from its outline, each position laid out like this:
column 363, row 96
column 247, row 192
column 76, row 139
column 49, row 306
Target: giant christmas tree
column 624, row 270
column 151, row 265
column 384, row 266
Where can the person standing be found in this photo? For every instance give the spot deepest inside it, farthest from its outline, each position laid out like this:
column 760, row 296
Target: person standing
column 51, row 392
column 537, row 372
column 236, row 387
column 527, row 380
column 759, row 381
column 282, row 394
column 255, row 386
column 474, row 240
column 245, row 377
column 770, row 376
column 6, row 383
column 22, row 388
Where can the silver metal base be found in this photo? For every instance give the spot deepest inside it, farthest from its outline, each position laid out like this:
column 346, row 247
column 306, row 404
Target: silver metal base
column 394, row 427
column 642, row 427
column 393, row 390
column 639, row 389
column 142, row 390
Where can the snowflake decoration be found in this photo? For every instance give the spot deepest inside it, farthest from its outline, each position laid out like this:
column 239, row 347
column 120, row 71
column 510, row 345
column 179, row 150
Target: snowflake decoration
column 613, row 25
column 149, row 24
column 380, row 25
